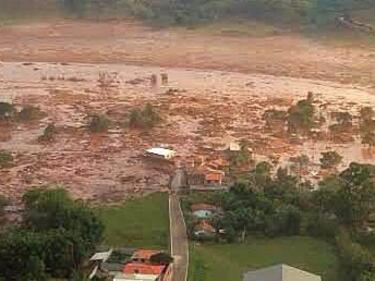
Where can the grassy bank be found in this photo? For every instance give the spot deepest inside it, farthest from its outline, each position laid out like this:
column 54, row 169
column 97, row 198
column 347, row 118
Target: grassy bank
column 221, row 262
column 142, row 222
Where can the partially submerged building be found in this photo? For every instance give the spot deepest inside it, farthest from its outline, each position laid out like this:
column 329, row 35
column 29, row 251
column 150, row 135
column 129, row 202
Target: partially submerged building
column 161, row 153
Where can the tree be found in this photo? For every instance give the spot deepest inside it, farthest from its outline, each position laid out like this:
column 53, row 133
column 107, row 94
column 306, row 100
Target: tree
column 301, row 116
column 161, row 258
column 274, row 118
column 70, row 224
column 7, row 111
column 22, row 254
column 143, row 119
column 48, row 133
column 299, row 164
column 355, row 198
column 6, row 158
column 330, row 159
column 343, row 122
column 367, row 126
column 367, row 276
column 98, row 123
column 30, row 113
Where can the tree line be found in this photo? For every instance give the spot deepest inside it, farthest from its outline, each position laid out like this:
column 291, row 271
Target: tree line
column 199, row 11
column 340, row 209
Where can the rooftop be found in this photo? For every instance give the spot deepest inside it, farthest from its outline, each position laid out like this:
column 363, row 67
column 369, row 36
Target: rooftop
column 280, row 272
column 161, row 151
column 142, row 268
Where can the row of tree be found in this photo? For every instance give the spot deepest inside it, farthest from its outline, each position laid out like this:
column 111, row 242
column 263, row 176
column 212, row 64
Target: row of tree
column 303, row 117
column 196, row 11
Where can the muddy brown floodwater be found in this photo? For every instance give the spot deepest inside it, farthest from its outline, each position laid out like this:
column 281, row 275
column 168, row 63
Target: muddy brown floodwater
column 199, row 108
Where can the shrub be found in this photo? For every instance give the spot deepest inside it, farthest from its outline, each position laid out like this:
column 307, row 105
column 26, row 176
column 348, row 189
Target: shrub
column 48, row 133
column 330, row 159
column 7, row 110
column 5, row 158
column 356, row 260
column 30, row 113
column 143, row 119
column 98, row 123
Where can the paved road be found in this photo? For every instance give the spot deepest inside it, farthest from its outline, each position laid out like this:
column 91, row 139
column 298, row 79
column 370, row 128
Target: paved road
column 179, row 240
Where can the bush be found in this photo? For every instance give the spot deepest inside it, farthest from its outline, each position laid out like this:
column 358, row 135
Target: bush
column 5, row 159
column 98, row 123
column 7, row 110
column 30, row 113
column 330, row 159
column 356, row 260
column 48, row 133
column 143, row 119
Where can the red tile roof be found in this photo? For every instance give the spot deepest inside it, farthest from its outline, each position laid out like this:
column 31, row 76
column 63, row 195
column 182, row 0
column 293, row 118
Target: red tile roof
column 142, row 268
column 214, row 176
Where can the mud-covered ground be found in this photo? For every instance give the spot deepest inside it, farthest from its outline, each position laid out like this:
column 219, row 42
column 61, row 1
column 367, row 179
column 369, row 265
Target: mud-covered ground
column 219, row 87
column 207, row 109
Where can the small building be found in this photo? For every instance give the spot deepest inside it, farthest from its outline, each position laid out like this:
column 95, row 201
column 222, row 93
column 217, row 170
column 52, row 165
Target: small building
column 161, row 152
column 280, row 272
column 138, row 271
column 214, row 177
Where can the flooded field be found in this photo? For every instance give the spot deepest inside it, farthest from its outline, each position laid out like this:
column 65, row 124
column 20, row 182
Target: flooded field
column 199, row 109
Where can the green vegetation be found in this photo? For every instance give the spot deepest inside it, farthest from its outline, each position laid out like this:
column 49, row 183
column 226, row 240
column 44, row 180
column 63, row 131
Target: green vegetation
column 330, row 159
column 48, row 133
column 281, row 206
column 142, row 222
column 56, row 235
column 343, row 122
column 309, row 13
column 98, row 123
column 221, row 262
column 143, row 119
column 6, row 158
column 30, row 113
column 301, row 116
column 367, row 126
column 7, row 111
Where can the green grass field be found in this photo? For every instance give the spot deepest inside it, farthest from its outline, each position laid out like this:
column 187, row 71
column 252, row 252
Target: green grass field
column 223, row 262
column 142, row 222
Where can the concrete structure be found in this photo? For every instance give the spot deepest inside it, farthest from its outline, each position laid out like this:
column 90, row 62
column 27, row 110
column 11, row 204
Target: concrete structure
column 280, row 272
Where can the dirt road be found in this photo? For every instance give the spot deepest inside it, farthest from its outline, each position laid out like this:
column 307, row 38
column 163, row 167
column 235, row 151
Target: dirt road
column 179, row 240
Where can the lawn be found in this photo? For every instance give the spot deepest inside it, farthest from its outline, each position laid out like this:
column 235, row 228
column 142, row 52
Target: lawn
column 223, row 262
column 142, row 222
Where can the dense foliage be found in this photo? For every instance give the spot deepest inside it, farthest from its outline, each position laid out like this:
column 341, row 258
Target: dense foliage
column 196, row 11
column 282, row 205
column 56, row 235
column 307, row 12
